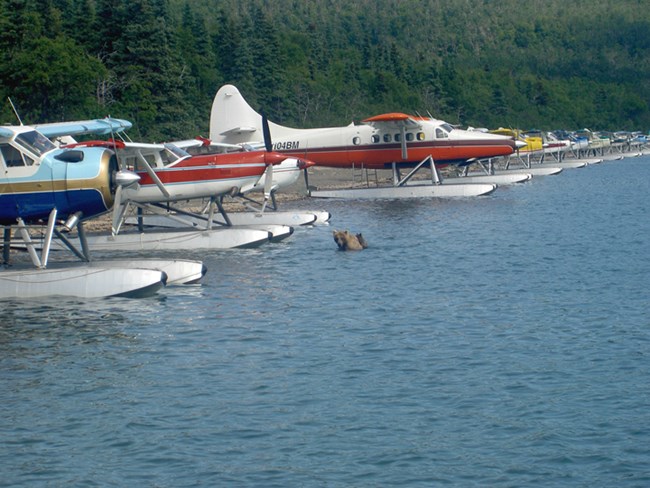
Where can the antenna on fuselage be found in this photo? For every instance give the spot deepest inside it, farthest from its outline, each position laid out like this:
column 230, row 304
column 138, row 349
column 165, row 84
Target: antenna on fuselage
column 13, row 107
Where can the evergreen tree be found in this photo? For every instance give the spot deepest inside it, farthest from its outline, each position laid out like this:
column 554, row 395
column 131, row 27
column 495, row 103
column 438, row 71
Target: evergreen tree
column 311, row 63
column 52, row 80
column 149, row 85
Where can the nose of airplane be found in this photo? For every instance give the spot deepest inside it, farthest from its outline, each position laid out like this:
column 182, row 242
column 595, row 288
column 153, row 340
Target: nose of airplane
column 305, row 163
column 520, row 144
column 126, row 178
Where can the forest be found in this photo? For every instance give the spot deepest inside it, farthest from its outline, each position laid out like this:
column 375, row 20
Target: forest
column 546, row 64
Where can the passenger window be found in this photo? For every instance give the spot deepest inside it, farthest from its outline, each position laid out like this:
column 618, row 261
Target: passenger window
column 398, row 137
column 375, row 138
column 356, row 140
column 409, row 136
column 387, row 138
column 13, row 157
column 420, row 136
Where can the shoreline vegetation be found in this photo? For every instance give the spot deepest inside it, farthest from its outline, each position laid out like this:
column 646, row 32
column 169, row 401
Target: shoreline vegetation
column 158, row 64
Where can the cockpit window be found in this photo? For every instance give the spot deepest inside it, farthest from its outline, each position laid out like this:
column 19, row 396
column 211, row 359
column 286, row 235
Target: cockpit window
column 177, row 151
column 172, row 154
column 441, row 134
column 447, row 127
column 35, row 142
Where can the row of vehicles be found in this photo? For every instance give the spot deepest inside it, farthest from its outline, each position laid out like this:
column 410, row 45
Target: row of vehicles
column 52, row 185
column 579, row 142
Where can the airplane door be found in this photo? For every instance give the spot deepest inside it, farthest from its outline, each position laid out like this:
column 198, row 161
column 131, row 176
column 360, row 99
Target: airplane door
column 8, row 208
column 59, row 186
column 21, row 191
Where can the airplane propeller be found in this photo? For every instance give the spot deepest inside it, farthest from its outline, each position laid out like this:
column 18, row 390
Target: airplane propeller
column 306, row 175
column 266, row 132
column 268, row 145
column 124, row 178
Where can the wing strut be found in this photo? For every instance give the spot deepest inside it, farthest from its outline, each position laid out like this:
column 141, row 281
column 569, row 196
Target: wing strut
column 152, row 174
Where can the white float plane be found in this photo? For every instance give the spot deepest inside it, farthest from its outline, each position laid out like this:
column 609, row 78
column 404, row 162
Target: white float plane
column 388, row 141
column 285, row 174
column 56, row 190
column 168, row 174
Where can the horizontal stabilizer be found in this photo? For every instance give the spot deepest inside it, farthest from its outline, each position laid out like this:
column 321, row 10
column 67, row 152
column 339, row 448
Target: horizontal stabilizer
column 238, row 130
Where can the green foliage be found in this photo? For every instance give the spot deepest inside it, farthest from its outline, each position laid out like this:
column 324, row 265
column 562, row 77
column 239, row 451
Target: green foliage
column 306, row 63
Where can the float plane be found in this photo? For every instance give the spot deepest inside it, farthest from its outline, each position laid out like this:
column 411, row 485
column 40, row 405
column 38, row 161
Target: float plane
column 167, row 175
column 54, row 190
column 285, row 174
column 388, row 141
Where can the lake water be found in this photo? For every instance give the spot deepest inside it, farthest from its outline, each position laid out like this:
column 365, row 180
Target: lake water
column 495, row 341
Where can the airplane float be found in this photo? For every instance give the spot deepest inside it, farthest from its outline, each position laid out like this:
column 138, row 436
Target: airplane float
column 45, row 187
column 168, row 174
column 389, row 141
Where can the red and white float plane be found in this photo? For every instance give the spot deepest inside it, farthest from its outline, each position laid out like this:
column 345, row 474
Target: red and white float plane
column 285, row 174
column 388, row 141
column 169, row 174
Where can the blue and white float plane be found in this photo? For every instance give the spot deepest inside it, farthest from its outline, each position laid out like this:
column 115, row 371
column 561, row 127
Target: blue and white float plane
column 56, row 190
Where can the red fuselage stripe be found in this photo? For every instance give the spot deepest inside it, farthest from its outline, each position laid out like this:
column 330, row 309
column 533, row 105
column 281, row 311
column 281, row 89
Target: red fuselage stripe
column 191, row 174
column 381, row 156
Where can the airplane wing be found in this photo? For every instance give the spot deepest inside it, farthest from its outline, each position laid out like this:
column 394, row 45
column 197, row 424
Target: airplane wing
column 394, row 119
column 196, row 142
column 105, row 126
column 130, row 153
column 210, row 146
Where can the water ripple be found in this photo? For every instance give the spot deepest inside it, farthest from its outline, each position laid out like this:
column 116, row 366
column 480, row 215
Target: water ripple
column 498, row 341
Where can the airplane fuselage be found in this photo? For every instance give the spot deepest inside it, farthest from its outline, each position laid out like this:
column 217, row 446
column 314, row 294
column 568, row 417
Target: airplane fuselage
column 202, row 176
column 366, row 146
column 36, row 177
column 376, row 142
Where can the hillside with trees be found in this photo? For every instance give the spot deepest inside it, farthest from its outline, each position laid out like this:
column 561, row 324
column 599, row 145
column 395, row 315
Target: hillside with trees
column 551, row 64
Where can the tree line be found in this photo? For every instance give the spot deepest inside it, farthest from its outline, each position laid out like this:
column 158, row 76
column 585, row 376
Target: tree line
column 307, row 63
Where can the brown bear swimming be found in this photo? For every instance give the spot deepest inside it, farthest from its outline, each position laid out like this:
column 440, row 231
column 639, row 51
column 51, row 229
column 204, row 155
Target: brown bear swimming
column 348, row 241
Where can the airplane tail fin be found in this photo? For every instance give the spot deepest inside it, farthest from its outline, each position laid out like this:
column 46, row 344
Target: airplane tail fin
column 232, row 119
